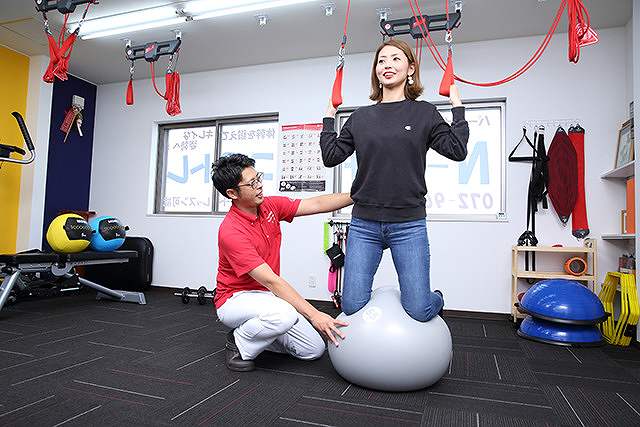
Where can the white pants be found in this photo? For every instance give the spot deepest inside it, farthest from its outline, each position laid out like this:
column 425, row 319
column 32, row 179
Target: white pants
column 262, row 321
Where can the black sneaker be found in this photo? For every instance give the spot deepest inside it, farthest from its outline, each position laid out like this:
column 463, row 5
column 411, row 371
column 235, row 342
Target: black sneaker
column 437, row 291
column 234, row 359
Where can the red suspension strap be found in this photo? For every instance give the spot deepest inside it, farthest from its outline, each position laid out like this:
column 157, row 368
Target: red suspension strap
column 172, row 89
column 447, row 79
column 60, row 51
column 580, row 34
column 150, row 52
column 336, row 93
column 129, row 97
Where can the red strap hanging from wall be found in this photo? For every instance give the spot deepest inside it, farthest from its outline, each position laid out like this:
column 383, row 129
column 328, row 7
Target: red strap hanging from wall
column 579, row 222
column 336, row 92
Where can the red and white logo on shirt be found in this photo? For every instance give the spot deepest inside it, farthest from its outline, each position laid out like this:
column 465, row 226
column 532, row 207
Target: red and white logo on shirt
column 271, row 217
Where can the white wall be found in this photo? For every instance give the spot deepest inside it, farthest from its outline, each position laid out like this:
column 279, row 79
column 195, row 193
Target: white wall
column 34, row 178
column 470, row 261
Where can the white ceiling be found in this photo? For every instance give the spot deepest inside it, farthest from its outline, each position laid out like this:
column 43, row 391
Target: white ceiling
column 293, row 32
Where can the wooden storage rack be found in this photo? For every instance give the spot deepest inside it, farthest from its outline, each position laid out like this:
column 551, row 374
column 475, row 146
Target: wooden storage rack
column 589, row 250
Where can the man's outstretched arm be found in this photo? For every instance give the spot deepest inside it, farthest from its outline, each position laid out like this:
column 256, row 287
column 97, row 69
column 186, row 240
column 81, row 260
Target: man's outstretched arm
column 323, row 204
column 324, row 323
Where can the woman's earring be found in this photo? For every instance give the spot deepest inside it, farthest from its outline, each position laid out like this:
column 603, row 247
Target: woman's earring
column 410, row 80
column 380, row 85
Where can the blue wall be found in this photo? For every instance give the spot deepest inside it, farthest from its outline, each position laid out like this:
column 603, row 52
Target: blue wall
column 69, row 164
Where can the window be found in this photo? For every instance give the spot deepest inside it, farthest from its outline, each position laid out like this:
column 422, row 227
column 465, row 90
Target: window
column 471, row 190
column 186, row 151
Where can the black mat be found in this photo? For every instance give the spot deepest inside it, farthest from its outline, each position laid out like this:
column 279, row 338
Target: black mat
column 75, row 361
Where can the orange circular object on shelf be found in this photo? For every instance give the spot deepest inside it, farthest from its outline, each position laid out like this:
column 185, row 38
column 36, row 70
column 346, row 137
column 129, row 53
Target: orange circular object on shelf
column 575, row 266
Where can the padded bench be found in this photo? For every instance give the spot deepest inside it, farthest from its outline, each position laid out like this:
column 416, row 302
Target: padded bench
column 62, row 265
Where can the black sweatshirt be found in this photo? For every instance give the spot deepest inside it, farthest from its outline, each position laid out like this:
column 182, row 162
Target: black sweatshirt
column 391, row 140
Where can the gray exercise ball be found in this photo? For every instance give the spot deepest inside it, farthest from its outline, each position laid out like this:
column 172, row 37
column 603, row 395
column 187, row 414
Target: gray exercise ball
column 385, row 349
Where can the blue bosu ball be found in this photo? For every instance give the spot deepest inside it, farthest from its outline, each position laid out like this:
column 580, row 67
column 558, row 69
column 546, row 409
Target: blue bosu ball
column 108, row 233
column 563, row 301
column 560, row 333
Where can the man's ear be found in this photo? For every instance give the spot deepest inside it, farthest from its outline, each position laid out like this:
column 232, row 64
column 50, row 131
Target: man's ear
column 233, row 194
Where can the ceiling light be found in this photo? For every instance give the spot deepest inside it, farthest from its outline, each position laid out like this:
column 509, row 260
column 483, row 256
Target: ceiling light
column 243, row 7
column 162, row 16
column 132, row 28
column 117, row 24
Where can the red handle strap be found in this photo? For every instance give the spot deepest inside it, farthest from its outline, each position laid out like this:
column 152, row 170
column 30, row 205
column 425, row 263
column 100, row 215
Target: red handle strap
column 336, row 93
column 130, row 92
column 447, row 79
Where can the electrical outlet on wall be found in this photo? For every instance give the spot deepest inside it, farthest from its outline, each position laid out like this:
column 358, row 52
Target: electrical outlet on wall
column 312, row 281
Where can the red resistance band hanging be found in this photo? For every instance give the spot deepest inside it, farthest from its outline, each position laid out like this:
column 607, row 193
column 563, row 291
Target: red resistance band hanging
column 580, row 34
column 151, row 52
column 60, row 50
column 579, row 223
column 336, row 92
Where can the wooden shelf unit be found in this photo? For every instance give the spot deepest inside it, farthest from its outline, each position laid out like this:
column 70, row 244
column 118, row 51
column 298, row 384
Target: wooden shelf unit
column 589, row 250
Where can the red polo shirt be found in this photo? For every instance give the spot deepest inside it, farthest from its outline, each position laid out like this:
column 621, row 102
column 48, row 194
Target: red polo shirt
column 246, row 241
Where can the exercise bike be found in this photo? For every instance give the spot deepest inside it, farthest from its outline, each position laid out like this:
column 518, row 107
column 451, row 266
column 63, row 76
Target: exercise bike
column 7, row 150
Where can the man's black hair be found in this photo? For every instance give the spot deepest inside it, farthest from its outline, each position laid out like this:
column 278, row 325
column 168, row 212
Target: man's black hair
column 226, row 173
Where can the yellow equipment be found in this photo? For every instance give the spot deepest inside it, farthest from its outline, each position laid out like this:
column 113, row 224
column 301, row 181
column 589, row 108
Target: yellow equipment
column 69, row 233
column 621, row 331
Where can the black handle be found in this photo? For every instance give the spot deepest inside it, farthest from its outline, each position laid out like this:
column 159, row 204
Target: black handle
column 23, row 129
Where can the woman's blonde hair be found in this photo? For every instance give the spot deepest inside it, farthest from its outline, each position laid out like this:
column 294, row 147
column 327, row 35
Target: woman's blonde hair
column 411, row 91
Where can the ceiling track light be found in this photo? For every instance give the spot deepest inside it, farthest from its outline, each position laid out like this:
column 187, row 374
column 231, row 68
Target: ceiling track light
column 384, row 13
column 328, row 8
column 262, row 19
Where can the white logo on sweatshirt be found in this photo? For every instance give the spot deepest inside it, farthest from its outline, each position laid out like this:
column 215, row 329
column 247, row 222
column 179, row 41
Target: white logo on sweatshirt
column 407, row 127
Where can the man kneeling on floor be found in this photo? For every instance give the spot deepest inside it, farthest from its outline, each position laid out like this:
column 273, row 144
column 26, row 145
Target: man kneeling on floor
column 264, row 311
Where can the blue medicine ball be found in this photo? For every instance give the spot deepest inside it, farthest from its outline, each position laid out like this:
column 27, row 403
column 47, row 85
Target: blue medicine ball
column 108, row 233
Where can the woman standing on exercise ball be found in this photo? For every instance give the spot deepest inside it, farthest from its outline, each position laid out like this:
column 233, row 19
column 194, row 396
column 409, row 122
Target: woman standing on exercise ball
column 391, row 139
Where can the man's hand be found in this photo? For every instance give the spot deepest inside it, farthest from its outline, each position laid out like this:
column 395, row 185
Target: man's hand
column 328, row 326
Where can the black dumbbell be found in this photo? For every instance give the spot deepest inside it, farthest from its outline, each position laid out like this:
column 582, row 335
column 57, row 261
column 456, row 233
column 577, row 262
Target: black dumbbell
column 202, row 294
column 186, row 295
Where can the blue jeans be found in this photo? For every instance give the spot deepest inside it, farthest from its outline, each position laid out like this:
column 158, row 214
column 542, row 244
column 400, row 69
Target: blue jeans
column 409, row 246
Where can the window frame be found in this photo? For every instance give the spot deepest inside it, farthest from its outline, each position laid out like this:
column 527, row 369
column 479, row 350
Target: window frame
column 162, row 152
column 501, row 216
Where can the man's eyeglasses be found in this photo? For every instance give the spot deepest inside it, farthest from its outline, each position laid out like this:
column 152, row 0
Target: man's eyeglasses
column 255, row 182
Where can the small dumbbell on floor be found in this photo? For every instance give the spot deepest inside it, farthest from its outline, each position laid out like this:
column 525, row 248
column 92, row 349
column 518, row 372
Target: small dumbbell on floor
column 201, row 295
